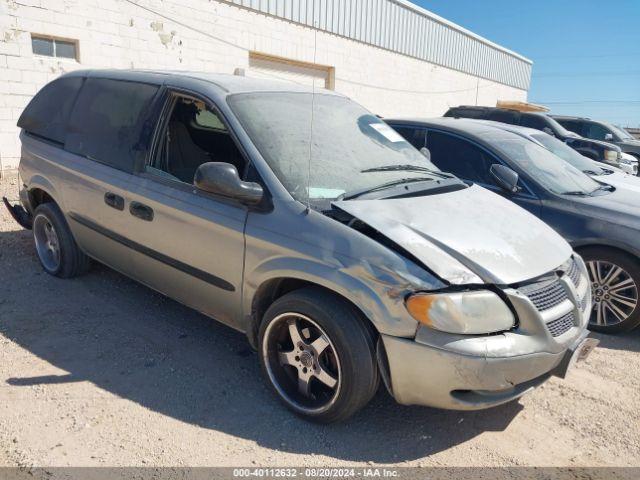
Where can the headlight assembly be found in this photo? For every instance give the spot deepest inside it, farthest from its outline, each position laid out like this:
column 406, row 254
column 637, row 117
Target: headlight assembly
column 611, row 155
column 473, row 312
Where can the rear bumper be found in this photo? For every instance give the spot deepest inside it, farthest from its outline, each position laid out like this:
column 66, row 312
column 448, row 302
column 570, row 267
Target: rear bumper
column 19, row 214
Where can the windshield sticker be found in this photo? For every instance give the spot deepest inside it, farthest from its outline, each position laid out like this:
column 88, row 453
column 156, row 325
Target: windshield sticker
column 387, row 132
column 319, row 192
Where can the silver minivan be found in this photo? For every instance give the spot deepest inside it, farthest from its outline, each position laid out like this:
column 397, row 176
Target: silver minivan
column 298, row 217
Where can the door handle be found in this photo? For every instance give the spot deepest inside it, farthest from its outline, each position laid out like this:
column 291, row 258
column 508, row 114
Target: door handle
column 114, row 201
column 141, row 210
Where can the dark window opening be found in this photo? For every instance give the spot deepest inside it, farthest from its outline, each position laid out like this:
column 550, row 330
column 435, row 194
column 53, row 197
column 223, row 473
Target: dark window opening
column 194, row 135
column 52, row 47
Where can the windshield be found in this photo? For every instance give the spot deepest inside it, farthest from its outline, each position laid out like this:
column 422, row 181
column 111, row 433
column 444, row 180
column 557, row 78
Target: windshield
column 620, row 132
column 567, row 153
column 544, row 167
column 347, row 140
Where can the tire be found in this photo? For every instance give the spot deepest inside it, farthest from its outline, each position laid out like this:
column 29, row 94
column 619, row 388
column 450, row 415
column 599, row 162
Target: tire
column 57, row 250
column 619, row 312
column 346, row 355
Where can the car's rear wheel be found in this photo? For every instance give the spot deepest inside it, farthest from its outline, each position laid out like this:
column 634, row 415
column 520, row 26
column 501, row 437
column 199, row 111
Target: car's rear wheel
column 57, row 249
column 615, row 283
column 318, row 355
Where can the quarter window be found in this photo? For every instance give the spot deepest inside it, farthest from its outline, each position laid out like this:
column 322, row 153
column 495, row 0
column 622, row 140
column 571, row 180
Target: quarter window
column 107, row 121
column 460, row 157
column 53, row 47
column 47, row 114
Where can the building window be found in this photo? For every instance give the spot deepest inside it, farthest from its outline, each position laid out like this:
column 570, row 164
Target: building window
column 54, row 47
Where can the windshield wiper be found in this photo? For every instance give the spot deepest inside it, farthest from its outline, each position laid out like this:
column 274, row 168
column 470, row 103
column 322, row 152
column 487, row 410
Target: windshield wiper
column 407, row 168
column 358, row 193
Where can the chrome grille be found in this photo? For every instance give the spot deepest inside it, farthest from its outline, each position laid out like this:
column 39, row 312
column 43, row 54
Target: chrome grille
column 583, row 302
column 574, row 272
column 561, row 325
column 546, row 296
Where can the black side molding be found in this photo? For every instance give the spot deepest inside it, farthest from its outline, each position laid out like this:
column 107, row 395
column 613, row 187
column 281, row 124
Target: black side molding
column 19, row 214
column 160, row 257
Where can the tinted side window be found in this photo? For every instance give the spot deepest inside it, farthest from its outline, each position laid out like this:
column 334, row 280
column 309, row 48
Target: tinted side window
column 458, row 156
column 106, row 122
column 595, row 131
column 414, row 135
column 571, row 125
column 504, row 116
column 48, row 112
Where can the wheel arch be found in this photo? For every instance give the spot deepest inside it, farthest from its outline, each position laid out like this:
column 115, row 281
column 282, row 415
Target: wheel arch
column 40, row 190
column 600, row 243
column 272, row 289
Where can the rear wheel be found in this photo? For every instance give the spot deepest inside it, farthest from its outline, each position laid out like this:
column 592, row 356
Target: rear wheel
column 318, row 355
column 615, row 283
column 57, row 250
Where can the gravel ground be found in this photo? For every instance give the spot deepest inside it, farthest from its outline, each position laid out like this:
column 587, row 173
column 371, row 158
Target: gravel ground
column 101, row 371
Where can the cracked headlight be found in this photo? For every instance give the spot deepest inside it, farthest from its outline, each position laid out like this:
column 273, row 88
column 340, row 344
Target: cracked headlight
column 473, row 312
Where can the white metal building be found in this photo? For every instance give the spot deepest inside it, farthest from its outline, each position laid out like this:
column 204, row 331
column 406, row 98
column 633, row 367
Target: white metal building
column 390, row 55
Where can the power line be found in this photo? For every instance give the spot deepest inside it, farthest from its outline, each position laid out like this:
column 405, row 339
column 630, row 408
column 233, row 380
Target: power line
column 586, row 74
column 580, row 102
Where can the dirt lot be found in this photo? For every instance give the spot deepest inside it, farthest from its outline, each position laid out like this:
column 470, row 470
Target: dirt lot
column 100, row 371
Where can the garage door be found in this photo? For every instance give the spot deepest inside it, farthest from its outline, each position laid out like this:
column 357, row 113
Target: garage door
column 277, row 68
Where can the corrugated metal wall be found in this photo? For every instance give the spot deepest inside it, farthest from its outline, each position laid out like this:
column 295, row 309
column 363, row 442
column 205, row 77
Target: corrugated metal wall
column 401, row 27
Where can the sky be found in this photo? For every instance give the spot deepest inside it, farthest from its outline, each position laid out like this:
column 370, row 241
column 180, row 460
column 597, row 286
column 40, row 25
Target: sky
column 585, row 53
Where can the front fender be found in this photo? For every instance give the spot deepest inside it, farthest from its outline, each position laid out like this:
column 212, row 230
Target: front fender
column 378, row 292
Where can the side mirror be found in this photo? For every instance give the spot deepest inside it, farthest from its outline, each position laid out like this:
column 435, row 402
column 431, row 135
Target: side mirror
column 425, row 151
column 223, row 179
column 548, row 131
column 608, row 137
column 505, row 177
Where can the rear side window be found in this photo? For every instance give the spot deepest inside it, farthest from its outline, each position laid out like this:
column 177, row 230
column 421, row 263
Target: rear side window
column 107, row 120
column 571, row 125
column 47, row 114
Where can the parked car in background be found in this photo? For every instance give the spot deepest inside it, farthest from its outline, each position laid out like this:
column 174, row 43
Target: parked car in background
column 202, row 187
column 600, row 221
column 593, row 149
column 598, row 130
column 595, row 170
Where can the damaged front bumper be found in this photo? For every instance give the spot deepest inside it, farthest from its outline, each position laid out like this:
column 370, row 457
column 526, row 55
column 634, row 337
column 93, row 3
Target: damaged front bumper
column 463, row 372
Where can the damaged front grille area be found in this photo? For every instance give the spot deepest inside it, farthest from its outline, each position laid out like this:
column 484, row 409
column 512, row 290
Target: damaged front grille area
column 574, row 273
column 546, row 296
column 561, row 325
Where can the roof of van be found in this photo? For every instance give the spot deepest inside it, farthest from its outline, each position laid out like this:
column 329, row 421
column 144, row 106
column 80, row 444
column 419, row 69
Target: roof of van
column 228, row 83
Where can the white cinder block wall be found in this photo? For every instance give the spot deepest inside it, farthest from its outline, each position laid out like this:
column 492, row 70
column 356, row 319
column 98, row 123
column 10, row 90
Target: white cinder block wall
column 214, row 36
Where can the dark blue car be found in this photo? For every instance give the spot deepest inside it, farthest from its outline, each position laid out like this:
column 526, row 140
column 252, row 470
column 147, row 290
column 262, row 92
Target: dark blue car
column 601, row 222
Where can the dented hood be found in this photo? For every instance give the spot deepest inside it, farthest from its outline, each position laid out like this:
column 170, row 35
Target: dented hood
column 466, row 236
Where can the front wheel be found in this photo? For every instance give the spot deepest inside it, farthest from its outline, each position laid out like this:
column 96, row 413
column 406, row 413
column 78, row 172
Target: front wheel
column 615, row 281
column 318, row 355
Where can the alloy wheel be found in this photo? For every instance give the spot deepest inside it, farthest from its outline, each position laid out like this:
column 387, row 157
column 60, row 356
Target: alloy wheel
column 614, row 292
column 302, row 363
column 47, row 243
